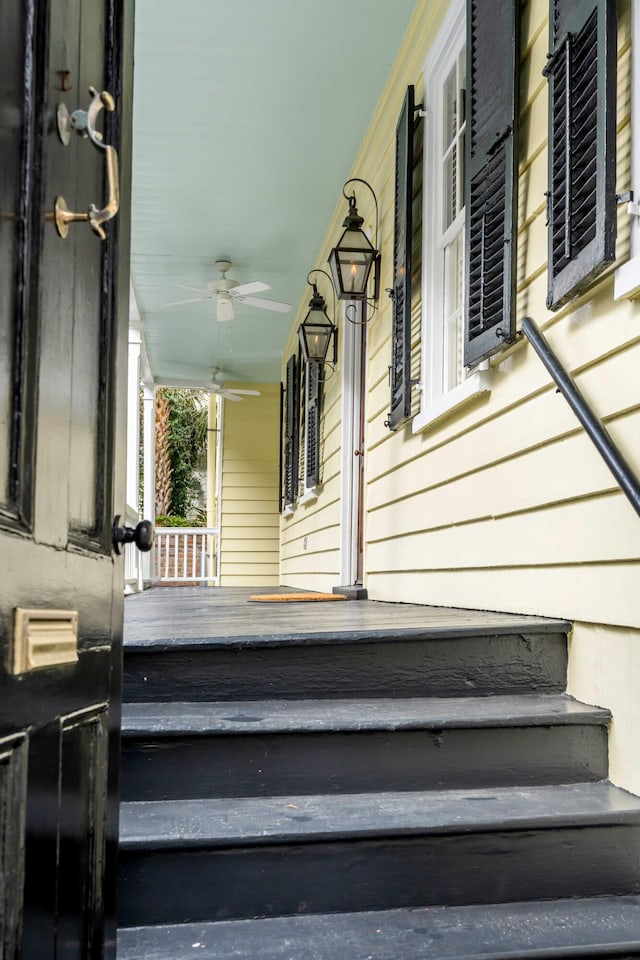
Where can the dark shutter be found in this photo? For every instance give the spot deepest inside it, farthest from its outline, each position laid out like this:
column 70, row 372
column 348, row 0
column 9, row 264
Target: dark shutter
column 582, row 130
column 491, row 174
column 281, row 456
column 314, row 389
column 291, row 434
column 401, row 295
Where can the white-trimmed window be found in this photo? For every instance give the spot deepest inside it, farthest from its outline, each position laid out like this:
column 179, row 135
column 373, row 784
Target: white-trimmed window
column 445, row 383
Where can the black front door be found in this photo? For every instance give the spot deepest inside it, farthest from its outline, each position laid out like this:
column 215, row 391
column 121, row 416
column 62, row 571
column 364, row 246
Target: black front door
column 63, row 306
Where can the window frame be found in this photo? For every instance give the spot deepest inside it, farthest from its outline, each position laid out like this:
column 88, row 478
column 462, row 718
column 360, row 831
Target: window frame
column 435, row 400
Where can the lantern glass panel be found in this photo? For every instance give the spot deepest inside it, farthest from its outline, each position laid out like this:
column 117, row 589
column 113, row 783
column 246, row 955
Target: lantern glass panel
column 315, row 336
column 354, row 268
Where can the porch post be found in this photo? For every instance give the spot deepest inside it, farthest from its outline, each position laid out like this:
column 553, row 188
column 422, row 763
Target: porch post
column 213, row 490
column 133, row 420
column 149, row 468
column 133, row 577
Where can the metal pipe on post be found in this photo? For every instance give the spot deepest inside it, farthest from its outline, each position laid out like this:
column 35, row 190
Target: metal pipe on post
column 597, row 432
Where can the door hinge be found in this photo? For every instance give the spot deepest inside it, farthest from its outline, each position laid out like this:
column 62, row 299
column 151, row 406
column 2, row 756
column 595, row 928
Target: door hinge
column 633, row 208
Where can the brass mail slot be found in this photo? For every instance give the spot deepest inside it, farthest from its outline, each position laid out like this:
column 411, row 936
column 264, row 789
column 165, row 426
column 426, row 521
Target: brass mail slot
column 43, row 638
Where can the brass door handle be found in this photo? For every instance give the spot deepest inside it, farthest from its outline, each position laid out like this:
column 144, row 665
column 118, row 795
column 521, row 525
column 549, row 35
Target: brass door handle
column 84, row 124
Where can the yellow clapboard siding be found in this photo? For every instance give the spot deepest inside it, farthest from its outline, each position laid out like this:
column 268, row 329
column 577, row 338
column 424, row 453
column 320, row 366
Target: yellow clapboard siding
column 250, row 495
column 250, row 489
column 263, row 479
column 521, row 378
column 316, row 564
column 533, row 125
column 532, row 248
column 576, row 532
column 249, row 466
column 319, row 540
column 241, row 520
column 542, row 420
column 607, row 593
column 534, row 60
column 535, row 17
column 321, row 582
column 251, row 556
column 241, row 538
column 268, row 508
column 597, row 676
column 293, row 545
column 568, row 469
column 241, row 580
column 532, row 184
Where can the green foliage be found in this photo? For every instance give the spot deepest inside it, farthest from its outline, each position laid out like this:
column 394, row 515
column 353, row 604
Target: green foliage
column 165, row 520
column 187, row 446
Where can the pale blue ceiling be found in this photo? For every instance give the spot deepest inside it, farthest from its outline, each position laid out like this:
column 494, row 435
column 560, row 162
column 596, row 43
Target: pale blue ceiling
column 248, row 115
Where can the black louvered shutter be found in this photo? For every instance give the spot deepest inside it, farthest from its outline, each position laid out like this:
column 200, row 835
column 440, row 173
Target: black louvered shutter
column 491, row 174
column 400, row 373
column 281, row 455
column 291, row 433
column 582, row 130
column 314, row 390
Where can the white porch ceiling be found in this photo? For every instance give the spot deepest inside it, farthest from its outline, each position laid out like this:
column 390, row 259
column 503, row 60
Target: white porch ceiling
column 248, row 115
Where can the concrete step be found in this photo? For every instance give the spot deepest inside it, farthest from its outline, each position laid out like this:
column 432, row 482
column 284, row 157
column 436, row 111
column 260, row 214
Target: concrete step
column 204, row 860
column 576, row 928
column 433, row 661
column 256, row 748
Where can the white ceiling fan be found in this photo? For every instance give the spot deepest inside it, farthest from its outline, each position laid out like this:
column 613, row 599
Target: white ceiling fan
column 224, row 291
column 213, row 386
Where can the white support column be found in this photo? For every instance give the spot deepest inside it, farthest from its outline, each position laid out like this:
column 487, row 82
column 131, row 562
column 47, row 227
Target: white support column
column 149, row 468
column 133, row 420
column 214, row 482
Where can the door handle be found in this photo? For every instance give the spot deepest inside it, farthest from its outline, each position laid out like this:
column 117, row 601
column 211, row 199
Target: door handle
column 84, row 124
column 142, row 535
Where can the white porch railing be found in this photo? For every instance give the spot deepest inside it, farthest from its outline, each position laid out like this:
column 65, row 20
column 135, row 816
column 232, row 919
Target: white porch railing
column 186, row 555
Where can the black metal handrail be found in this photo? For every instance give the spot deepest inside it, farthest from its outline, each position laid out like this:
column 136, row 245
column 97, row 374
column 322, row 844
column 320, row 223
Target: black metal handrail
column 597, row 432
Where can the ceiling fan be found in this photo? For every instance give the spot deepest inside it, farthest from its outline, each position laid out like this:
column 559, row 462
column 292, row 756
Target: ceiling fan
column 213, row 386
column 224, row 291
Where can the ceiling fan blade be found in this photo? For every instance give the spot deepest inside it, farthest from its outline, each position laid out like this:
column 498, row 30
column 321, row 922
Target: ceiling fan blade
column 183, row 286
column 224, row 310
column 274, row 305
column 229, row 395
column 179, row 303
column 243, row 289
column 244, row 393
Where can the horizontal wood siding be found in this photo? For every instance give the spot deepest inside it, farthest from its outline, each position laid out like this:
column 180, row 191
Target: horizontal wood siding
column 249, row 529
column 310, row 535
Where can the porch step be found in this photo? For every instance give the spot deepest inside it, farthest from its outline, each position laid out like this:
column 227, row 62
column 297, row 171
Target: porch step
column 276, row 747
column 404, row 793
column 204, row 860
column 445, row 662
column 590, row 928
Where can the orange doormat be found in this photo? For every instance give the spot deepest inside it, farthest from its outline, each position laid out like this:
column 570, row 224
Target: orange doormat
column 295, row 597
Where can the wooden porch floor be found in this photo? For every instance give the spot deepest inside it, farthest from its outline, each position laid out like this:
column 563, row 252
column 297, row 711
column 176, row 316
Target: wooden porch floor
column 161, row 615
